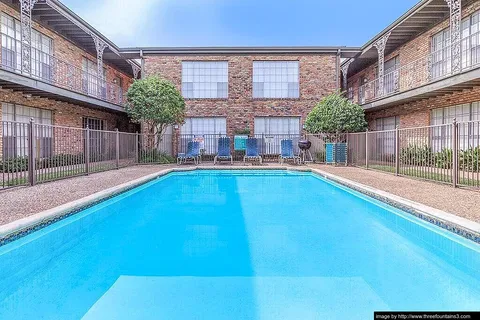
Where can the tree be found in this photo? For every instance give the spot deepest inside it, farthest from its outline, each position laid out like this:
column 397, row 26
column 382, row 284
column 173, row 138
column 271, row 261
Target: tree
column 156, row 103
column 336, row 114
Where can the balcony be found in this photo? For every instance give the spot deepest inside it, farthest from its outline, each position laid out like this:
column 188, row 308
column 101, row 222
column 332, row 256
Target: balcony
column 48, row 74
column 428, row 76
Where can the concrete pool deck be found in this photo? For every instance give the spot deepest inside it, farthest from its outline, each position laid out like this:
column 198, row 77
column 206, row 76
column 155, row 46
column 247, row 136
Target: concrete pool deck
column 21, row 203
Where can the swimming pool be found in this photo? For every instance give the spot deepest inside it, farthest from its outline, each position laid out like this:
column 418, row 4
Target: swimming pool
column 237, row 245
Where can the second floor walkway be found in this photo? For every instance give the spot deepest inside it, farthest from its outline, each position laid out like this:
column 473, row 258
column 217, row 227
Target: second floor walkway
column 431, row 74
column 52, row 71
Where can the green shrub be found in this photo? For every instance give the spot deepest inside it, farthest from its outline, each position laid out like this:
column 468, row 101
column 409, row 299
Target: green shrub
column 469, row 159
column 155, row 156
column 60, row 160
column 335, row 114
column 417, row 155
column 444, row 159
column 17, row 164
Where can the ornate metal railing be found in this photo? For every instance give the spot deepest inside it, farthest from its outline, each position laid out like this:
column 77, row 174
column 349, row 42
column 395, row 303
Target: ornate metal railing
column 50, row 69
column 432, row 67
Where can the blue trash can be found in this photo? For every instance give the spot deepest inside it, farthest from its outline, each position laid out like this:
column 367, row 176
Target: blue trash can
column 336, row 153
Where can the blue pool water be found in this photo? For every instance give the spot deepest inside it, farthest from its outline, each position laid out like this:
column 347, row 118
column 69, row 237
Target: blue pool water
column 237, row 245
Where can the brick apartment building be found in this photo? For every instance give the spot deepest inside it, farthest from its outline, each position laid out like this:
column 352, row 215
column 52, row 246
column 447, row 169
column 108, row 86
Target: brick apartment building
column 421, row 70
column 54, row 79
column 265, row 90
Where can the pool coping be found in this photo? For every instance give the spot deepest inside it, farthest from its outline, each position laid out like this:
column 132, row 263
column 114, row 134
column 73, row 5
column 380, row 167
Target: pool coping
column 22, row 227
column 453, row 223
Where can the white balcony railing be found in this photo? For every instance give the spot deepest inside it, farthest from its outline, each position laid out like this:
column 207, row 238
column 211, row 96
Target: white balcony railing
column 432, row 67
column 48, row 68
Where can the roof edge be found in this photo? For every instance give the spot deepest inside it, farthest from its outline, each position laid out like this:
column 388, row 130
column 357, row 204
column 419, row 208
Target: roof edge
column 399, row 20
column 137, row 52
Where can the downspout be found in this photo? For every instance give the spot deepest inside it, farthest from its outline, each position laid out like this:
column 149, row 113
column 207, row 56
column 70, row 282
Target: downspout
column 337, row 70
column 142, row 62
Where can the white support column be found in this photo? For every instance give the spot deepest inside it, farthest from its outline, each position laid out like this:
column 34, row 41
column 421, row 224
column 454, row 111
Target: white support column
column 135, row 68
column 100, row 45
column 455, row 34
column 380, row 45
column 345, row 74
column 26, row 7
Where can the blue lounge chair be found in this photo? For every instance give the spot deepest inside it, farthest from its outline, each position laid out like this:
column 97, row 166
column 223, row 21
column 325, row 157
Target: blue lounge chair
column 287, row 152
column 251, row 152
column 223, row 151
column 193, row 153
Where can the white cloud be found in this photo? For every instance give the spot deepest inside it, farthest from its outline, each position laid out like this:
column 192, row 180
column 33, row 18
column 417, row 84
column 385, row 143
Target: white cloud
column 120, row 20
column 130, row 23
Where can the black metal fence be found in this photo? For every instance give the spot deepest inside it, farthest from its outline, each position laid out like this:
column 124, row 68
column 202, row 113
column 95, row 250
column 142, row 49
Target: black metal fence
column 447, row 153
column 34, row 153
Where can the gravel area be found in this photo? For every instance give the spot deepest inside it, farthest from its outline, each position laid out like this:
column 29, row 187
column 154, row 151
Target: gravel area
column 461, row 202
column 21, row 202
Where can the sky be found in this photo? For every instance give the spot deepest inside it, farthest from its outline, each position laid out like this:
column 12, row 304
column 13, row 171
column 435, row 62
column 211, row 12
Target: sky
column 189, row 23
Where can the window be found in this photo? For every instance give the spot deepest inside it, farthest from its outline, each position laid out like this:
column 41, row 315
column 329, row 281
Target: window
column 42, row 49
column 93, row 123
column 204, row 79
column 361, row 89
column 91, row 83
column 389, row 123
column 385, row 141
column 441, row 53
column 470, row 46
column 204, row 130
column 276, row 79
column 277, row 125
column 11, row 42
column 98, row 138
column 471, row 40
column 116, row 93
column 350, row 93
column 441, row 136
column 15, row 137
column 390, row 82
column 203, row 125
column 270, row 131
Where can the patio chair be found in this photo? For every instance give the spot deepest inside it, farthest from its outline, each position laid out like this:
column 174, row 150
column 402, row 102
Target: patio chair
column 287, row 152
column 251, row 152
column 223, row 151
column 193, row 153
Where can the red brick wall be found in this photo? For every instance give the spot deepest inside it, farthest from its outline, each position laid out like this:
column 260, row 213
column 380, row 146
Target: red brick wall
column 66, row 114
column 416, row 113
column 317, row 79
